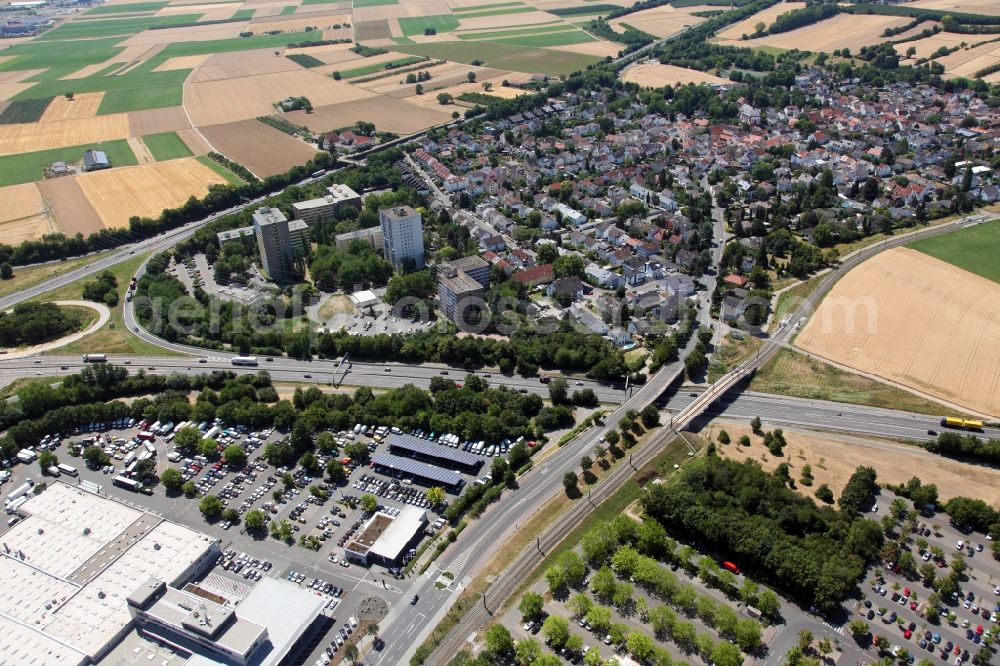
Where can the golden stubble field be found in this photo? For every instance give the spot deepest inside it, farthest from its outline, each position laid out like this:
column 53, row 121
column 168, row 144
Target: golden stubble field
column 23, row 215
column 842, row 31
column 28, row 137
column 655, row 75
column 915, row 320
column 145, row 190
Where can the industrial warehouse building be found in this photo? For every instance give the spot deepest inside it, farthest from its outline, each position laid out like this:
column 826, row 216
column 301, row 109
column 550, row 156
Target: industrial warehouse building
column 81, row 572
column 443, row 456
column 386, row 539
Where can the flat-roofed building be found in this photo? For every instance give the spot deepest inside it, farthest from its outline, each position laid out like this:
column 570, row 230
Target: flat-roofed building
column 69, row 566
column 276, row 244
column 338, row 196
column 402, row 237
column 372, row 235
column 385, row 539
column 462, row 284
column 244, row 235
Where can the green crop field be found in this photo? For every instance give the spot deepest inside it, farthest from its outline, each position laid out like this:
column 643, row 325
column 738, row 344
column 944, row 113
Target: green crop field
column 230, row 177
column 374, row 3
column 461, row 11
column 497, row 12
column 504, row 56
column 417, row 24
column 521, row 32
column 128, row 8
column 30, row 167
column 380, row 67
column 241, row 14
column 128, row 92
column 166, row 146
column 139, row 99
column 109, row 27
column 305, row 60
column 59, row 57
column 550, row 39
column 974, row 249
column 223, row 46
column 584, row 9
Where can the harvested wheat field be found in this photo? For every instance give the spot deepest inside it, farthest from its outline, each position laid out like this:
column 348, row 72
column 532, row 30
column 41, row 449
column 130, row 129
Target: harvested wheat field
column 259, row 147
column 918, row 321
column 765, row 16
column 16, row 76
column 69, row 206
column 842, row 31
column 524, row 20
column 145, row 190
column 989, row 7
column 447, row 74
column 84, row 105
column 91, row 70
column 29, row 137
column 966, row 62
column 655, row 75
column 23, row 215
column 600, row 48
column 156, row 121
column 182, row 62
column 660, row 21
column 928, row 45
column 237, row 70
column 299, row 22
column 387, row 113
column 225, row 101
column 833, row 457
column 8, row 90
column 205, row 33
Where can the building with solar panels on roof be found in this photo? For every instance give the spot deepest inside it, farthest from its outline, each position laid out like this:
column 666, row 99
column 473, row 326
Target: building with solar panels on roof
column 408, row 446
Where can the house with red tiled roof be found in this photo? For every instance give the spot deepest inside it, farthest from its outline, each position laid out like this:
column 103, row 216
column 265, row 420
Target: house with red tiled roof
column 532, row 277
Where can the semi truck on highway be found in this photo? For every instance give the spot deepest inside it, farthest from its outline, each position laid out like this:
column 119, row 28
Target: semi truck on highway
column 244, row 360
column 961, row 424
column 95, row 358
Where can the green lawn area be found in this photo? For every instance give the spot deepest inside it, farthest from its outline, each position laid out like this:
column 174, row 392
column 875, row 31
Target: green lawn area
column 504, row 56
column 230, row 177
column 128, row 8
column 478, row 8
column 109, row 27
column 29, row 167
column 975, row 249
column 520, row 32
column 417, row 24
column 166, row 146
column 372, row 3
column 497, row 12
column 550, row 39
column 380, row 67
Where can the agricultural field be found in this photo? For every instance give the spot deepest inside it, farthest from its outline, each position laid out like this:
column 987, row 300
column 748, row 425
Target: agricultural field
column 24, row 214
column 969, row 60
column 936, row 335
column 974, row 249
column 145, row 190
column 660, row 21
column 989, row 7
column 841, row 31
column 655, row 75
column 765, row 16
column 153, row 82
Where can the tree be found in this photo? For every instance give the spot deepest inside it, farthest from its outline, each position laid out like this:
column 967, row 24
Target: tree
column 95, row 457
column 47, row 459
column 6, row 272
column 858, row 628
column 824, row 494
column 231, row 515
column 189, row 489
column 612, row 437
column 187, row 438
column 497, row 641
column 744, row 440
column 172, row 479
column 546, row 253
column 335, row 471
column 586, row 463
column 725, row 653
column 641, row 646
column 435, row 495
column 755, row 425
column 650, row 416
column 234, row 455
column 210, row 507
column 723, row 437
column 769, row 604
column 255, row 520
column 444, row 99
column 531, row 606
column 556, row 579
column 419, row 89
column 527, row 651
column 556, row 630
column 805, row 639
column 369, row 503
column 579, row 604
column 471, row 76
column 559, row 390
column 351, row 653
column 570, row 481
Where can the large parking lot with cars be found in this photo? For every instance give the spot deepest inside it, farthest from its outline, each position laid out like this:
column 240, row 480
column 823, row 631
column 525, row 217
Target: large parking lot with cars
column 896, row 605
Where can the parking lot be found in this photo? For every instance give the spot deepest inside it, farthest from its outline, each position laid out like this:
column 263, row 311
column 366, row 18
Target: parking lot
column 896, row 606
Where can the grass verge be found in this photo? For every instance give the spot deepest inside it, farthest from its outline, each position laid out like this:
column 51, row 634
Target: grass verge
column 791, row 298
column 731, row 353
column 794, row 374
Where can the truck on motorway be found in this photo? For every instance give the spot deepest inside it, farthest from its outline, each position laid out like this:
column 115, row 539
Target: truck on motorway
column 244, row 360
column 961, row 424
column 95, row 358
column 126, row 483
column 68, row 470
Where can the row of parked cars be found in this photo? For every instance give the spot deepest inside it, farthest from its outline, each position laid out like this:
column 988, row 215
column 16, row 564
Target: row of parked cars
column 391, row 490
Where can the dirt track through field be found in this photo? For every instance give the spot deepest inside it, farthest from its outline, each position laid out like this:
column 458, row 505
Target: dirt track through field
column 138, row 147
column 918, row 321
